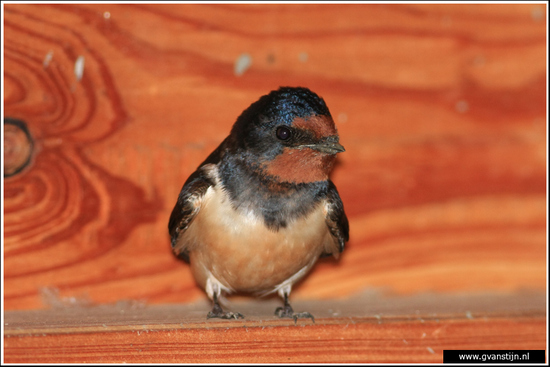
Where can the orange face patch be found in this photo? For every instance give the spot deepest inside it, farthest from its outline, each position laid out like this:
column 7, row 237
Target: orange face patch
column 321, row 126
column 300, row 166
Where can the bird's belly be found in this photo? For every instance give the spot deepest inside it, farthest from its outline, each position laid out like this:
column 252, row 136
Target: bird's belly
column 239, row 251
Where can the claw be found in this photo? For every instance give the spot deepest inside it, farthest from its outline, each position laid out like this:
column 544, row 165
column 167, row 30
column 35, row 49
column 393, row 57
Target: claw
column 284, row 312
column 225, row 315
column 287, row 312
column 303, row 315
column 218, row 312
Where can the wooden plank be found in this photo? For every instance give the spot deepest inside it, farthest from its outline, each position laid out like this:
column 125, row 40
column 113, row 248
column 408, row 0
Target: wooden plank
column 371, row 328
column 441, row 108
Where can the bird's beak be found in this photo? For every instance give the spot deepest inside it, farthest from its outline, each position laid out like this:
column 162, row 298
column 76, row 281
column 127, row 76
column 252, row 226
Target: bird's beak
column 328, row 146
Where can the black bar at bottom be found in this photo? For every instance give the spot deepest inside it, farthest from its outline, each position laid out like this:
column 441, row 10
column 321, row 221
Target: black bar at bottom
column 494, row 356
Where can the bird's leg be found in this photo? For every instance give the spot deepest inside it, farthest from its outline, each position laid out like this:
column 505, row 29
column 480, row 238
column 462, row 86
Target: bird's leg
column 287, row 311
column 218, row 312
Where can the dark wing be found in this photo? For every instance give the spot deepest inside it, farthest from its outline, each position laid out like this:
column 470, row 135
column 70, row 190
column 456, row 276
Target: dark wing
column 189, row 200
column 336, row 219
column 185, row 210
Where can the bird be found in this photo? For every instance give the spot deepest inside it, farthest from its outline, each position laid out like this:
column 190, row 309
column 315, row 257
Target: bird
column 260, row 210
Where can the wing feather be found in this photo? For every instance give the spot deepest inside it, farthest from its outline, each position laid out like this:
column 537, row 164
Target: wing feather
column 336, row 219
column 190, row 198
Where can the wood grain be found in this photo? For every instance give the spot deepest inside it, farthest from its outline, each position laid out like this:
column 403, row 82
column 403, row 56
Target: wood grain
column 372, row 328
column 441, row 108
column 362, row 341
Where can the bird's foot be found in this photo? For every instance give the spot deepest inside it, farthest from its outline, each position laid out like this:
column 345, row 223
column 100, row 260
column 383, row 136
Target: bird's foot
column 217, row 312
column 288, row 312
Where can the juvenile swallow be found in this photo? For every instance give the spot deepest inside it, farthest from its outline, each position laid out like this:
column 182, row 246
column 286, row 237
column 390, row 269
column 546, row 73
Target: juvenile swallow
column 260, row 210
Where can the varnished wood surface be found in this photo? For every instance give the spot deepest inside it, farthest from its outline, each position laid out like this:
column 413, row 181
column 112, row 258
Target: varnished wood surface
column 371, row 328
column 441, row 108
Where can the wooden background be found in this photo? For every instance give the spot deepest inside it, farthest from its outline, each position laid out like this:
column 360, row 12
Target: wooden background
column 441, row 108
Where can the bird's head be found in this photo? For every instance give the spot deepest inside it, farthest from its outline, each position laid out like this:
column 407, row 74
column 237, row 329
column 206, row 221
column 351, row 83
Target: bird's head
column 290, row 134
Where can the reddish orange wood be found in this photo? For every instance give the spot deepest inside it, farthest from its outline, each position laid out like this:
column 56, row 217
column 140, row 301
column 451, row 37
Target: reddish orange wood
column 360, row 342
column 370, row 328
column 441, row 108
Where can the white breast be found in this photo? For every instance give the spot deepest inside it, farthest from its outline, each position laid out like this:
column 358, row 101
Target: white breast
column 239, row 251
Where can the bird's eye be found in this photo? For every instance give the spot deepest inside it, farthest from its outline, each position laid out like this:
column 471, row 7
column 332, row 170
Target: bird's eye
column 283, row 133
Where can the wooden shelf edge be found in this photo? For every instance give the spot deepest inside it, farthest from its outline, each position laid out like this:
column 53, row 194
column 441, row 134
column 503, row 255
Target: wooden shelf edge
column 180, row 333
column 340, row 340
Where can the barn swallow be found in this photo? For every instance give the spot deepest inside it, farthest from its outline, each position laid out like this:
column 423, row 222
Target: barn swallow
column 259, row 212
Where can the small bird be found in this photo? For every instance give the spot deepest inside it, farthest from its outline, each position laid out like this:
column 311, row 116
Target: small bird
column 259, row 212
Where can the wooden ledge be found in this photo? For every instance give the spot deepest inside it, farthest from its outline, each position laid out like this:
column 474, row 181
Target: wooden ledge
column 366, row 328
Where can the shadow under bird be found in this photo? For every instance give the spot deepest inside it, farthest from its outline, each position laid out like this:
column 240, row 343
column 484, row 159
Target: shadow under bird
column 261, row 210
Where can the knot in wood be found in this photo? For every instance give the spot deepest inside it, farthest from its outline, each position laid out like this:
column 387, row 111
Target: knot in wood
column 18, row 146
